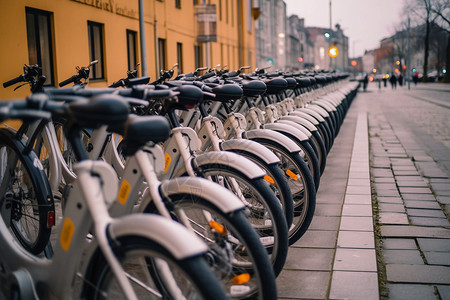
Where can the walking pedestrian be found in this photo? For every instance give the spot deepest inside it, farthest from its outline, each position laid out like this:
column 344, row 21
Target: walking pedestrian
column 365, row 82
column 400, row 79
column 393, row 81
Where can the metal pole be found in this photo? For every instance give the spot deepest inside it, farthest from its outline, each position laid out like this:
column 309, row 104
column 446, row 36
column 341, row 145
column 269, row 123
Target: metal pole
column 330, row 15
column 156, row 48
column 408, row 63
column 142, row 37
column 206, row 47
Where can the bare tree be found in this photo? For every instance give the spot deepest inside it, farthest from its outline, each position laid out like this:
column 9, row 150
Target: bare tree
column 423, row 9
column 442, row 10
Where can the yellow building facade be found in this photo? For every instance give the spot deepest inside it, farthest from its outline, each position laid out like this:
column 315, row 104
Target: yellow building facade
column 62, row 34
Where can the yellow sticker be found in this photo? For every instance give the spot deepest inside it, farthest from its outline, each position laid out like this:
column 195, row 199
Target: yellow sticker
column 167, row 159
column 67, row 234
column 123, row 192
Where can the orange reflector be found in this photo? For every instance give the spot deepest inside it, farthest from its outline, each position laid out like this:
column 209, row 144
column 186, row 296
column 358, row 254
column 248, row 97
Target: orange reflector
column 241, row 279
column 269, row 179
column 292, row 175
column 217, row 227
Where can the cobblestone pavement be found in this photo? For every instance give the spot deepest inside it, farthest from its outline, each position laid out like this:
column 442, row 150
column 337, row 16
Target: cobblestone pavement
column 409, row 137
column 410, row 151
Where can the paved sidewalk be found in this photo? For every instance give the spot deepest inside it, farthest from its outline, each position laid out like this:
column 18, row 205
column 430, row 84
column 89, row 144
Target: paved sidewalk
column 382, row 175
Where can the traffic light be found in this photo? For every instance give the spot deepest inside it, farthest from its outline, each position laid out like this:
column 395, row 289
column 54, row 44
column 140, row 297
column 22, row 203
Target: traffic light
column 333, row 51
column 327, row 35
column 300, row 59
column 354, row 63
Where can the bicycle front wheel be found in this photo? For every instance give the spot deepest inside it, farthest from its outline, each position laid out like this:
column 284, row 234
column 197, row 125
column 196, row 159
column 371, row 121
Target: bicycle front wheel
column 153, row 272
column 235, row 253
column 26, row 201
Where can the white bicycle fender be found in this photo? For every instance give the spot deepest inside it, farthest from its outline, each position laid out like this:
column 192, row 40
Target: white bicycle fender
column 313, row 113
column 172, row 235
column 272, row 135
column 250, row 146
column 303, row 115
column 234, row 160
column 299, row 120
column 288, row 127
column 224, row 199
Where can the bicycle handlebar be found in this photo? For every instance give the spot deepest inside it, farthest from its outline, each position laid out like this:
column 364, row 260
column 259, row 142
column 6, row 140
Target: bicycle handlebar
column 18, row 79
column 67, row 81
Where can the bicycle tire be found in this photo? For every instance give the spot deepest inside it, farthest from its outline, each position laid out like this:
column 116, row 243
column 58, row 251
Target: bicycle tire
column 251, row 257
column 304, row 195
column 322, row 152
column 279, row 186
column 193, row 271
column 31, row 197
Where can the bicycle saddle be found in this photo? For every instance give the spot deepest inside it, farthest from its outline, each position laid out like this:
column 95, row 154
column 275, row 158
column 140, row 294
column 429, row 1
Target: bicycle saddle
column 138, row 130
column 98, row 110
column 253, row 88
column 303, row 82
column 276, row 85
column 227, row 92
column 291, row 83
column 321, row 80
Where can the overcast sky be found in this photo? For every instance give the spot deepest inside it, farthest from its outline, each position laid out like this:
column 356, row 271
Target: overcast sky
column 365, row 22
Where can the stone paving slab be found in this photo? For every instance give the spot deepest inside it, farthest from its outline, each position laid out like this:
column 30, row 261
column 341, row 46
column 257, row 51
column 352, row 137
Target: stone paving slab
column 324, row 223
column 395, row 200
column 303, row 284
column 410, row 291
column 422, row 204
column 437, row 258
column 425, row 221
column 426, row 197
column 434, row 244
column 388, row 193
column 329, row 210
column 414, row 231
column 356, row 239
column 355, row 260
column 411, row 257
column 390, row 207
column 415, row 190
column 418, row 273
column 317, row 239
column 313, row 259
column 399, row 244
column 444, row 291
column 357, row 210
column 364, row 285
column 356, row 223
column 384, row 179
column 435, row 213
column 393, row 218
column 358, row 199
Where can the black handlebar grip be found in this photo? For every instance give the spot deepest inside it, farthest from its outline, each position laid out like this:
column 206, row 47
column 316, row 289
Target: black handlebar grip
column 117, row 84
column 67, row 81
column 14, row 81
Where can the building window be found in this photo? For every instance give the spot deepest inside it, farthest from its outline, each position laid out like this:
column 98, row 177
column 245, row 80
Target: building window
column 220, row 10
column 95, row 34
column 180, row 57
column 198, row 56
column 39, row 38
column 322, row 52
column 177, row 3
column 162, row 54
column 249, row 15
column 131, row 49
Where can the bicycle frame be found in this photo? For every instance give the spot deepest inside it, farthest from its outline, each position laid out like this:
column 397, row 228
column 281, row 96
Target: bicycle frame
column 85, row 209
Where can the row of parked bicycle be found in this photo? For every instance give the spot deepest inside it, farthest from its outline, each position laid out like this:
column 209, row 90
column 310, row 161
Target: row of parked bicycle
column 190, row 187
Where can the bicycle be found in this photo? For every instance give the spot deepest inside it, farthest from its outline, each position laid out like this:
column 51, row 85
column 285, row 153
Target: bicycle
column 110, row 260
